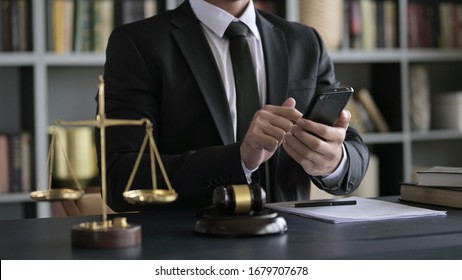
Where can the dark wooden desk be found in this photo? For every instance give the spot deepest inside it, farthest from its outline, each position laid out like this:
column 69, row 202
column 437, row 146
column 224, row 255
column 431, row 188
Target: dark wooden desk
column 170, row 235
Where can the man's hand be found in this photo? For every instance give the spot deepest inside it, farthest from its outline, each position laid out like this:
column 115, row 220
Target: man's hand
column 316, row 147
column 267, row 132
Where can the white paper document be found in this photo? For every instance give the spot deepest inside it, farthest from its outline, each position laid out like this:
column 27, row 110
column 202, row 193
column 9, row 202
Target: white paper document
column 366, row 209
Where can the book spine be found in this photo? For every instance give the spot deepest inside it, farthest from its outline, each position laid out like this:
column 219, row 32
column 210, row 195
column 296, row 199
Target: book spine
column 412, row 23
column 369, row 17
column 4, row 164
column 6, row 26
column 15, row 163
column 84, row 26
column 447, row 24
column 49, row 26
column 355, row 24
column 103, row 23
column 24, row 26
column 380, row 19
column 390, row 24
column 14, row 14
column 429, row 195
column 432, row 16
column 458, row 25
column 26, row 162
column 62, row 25
column 422, row 27
column 57, row 24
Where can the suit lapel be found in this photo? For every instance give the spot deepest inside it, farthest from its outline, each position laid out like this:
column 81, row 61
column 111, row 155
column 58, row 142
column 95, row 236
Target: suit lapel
column 193, row 44
column 276, row 60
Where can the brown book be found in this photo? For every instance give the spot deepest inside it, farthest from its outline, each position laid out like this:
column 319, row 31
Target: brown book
column 4, row 164
column 359, row 117
column 14, row 142
column 5, row 10
column 413, row 24
column 365, row 98
column 26, row 161
column 355, row 25
column 24, row 26
column 441, row 196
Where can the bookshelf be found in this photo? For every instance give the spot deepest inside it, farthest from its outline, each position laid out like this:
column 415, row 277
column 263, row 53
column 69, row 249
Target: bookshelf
column 37, row 85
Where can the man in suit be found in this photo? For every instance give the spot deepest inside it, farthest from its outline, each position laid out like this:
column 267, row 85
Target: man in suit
column 175, row 70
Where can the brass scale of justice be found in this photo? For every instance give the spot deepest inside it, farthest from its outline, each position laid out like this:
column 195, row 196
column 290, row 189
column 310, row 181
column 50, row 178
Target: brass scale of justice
column 118, row 233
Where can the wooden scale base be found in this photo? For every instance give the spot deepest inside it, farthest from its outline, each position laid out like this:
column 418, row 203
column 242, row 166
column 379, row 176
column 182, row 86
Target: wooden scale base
column 106, row 235
column 263, row 223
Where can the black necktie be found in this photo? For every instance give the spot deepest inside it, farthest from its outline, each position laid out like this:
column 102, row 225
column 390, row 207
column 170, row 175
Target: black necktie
column 247, row 98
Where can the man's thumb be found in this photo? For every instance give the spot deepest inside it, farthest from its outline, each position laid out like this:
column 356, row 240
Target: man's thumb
column 290, row 102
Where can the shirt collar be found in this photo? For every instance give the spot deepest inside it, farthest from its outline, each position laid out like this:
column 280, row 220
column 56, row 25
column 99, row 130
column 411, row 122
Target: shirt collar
column 218, row 20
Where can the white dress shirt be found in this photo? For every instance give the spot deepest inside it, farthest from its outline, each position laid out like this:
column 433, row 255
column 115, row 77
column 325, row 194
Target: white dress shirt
column 214, row 22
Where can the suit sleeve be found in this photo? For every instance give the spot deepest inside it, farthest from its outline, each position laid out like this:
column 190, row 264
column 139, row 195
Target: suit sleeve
column 358, row 154
column 358, row 161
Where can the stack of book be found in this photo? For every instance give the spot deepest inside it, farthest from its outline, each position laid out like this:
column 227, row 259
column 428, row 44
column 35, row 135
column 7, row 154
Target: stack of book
column 438, row 185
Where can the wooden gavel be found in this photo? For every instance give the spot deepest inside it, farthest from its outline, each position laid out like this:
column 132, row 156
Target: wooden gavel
column 239, row 199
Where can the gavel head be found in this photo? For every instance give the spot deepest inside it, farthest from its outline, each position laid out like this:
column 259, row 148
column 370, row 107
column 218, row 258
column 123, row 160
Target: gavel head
column 239, row 199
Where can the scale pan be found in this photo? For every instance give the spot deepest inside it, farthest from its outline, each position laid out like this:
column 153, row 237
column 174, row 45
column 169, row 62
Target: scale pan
column 56, row 194
column 150, row 196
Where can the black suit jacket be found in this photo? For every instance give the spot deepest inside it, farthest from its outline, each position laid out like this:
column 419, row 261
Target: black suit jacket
column 162, row 68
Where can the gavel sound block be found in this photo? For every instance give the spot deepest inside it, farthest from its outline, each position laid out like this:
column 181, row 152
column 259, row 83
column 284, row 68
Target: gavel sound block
column 238, row 210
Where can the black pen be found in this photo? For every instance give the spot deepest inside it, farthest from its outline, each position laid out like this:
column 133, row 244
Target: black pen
column 315, row 203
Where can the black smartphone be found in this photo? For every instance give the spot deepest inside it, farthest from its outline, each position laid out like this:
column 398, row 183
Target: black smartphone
column 327, row 104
